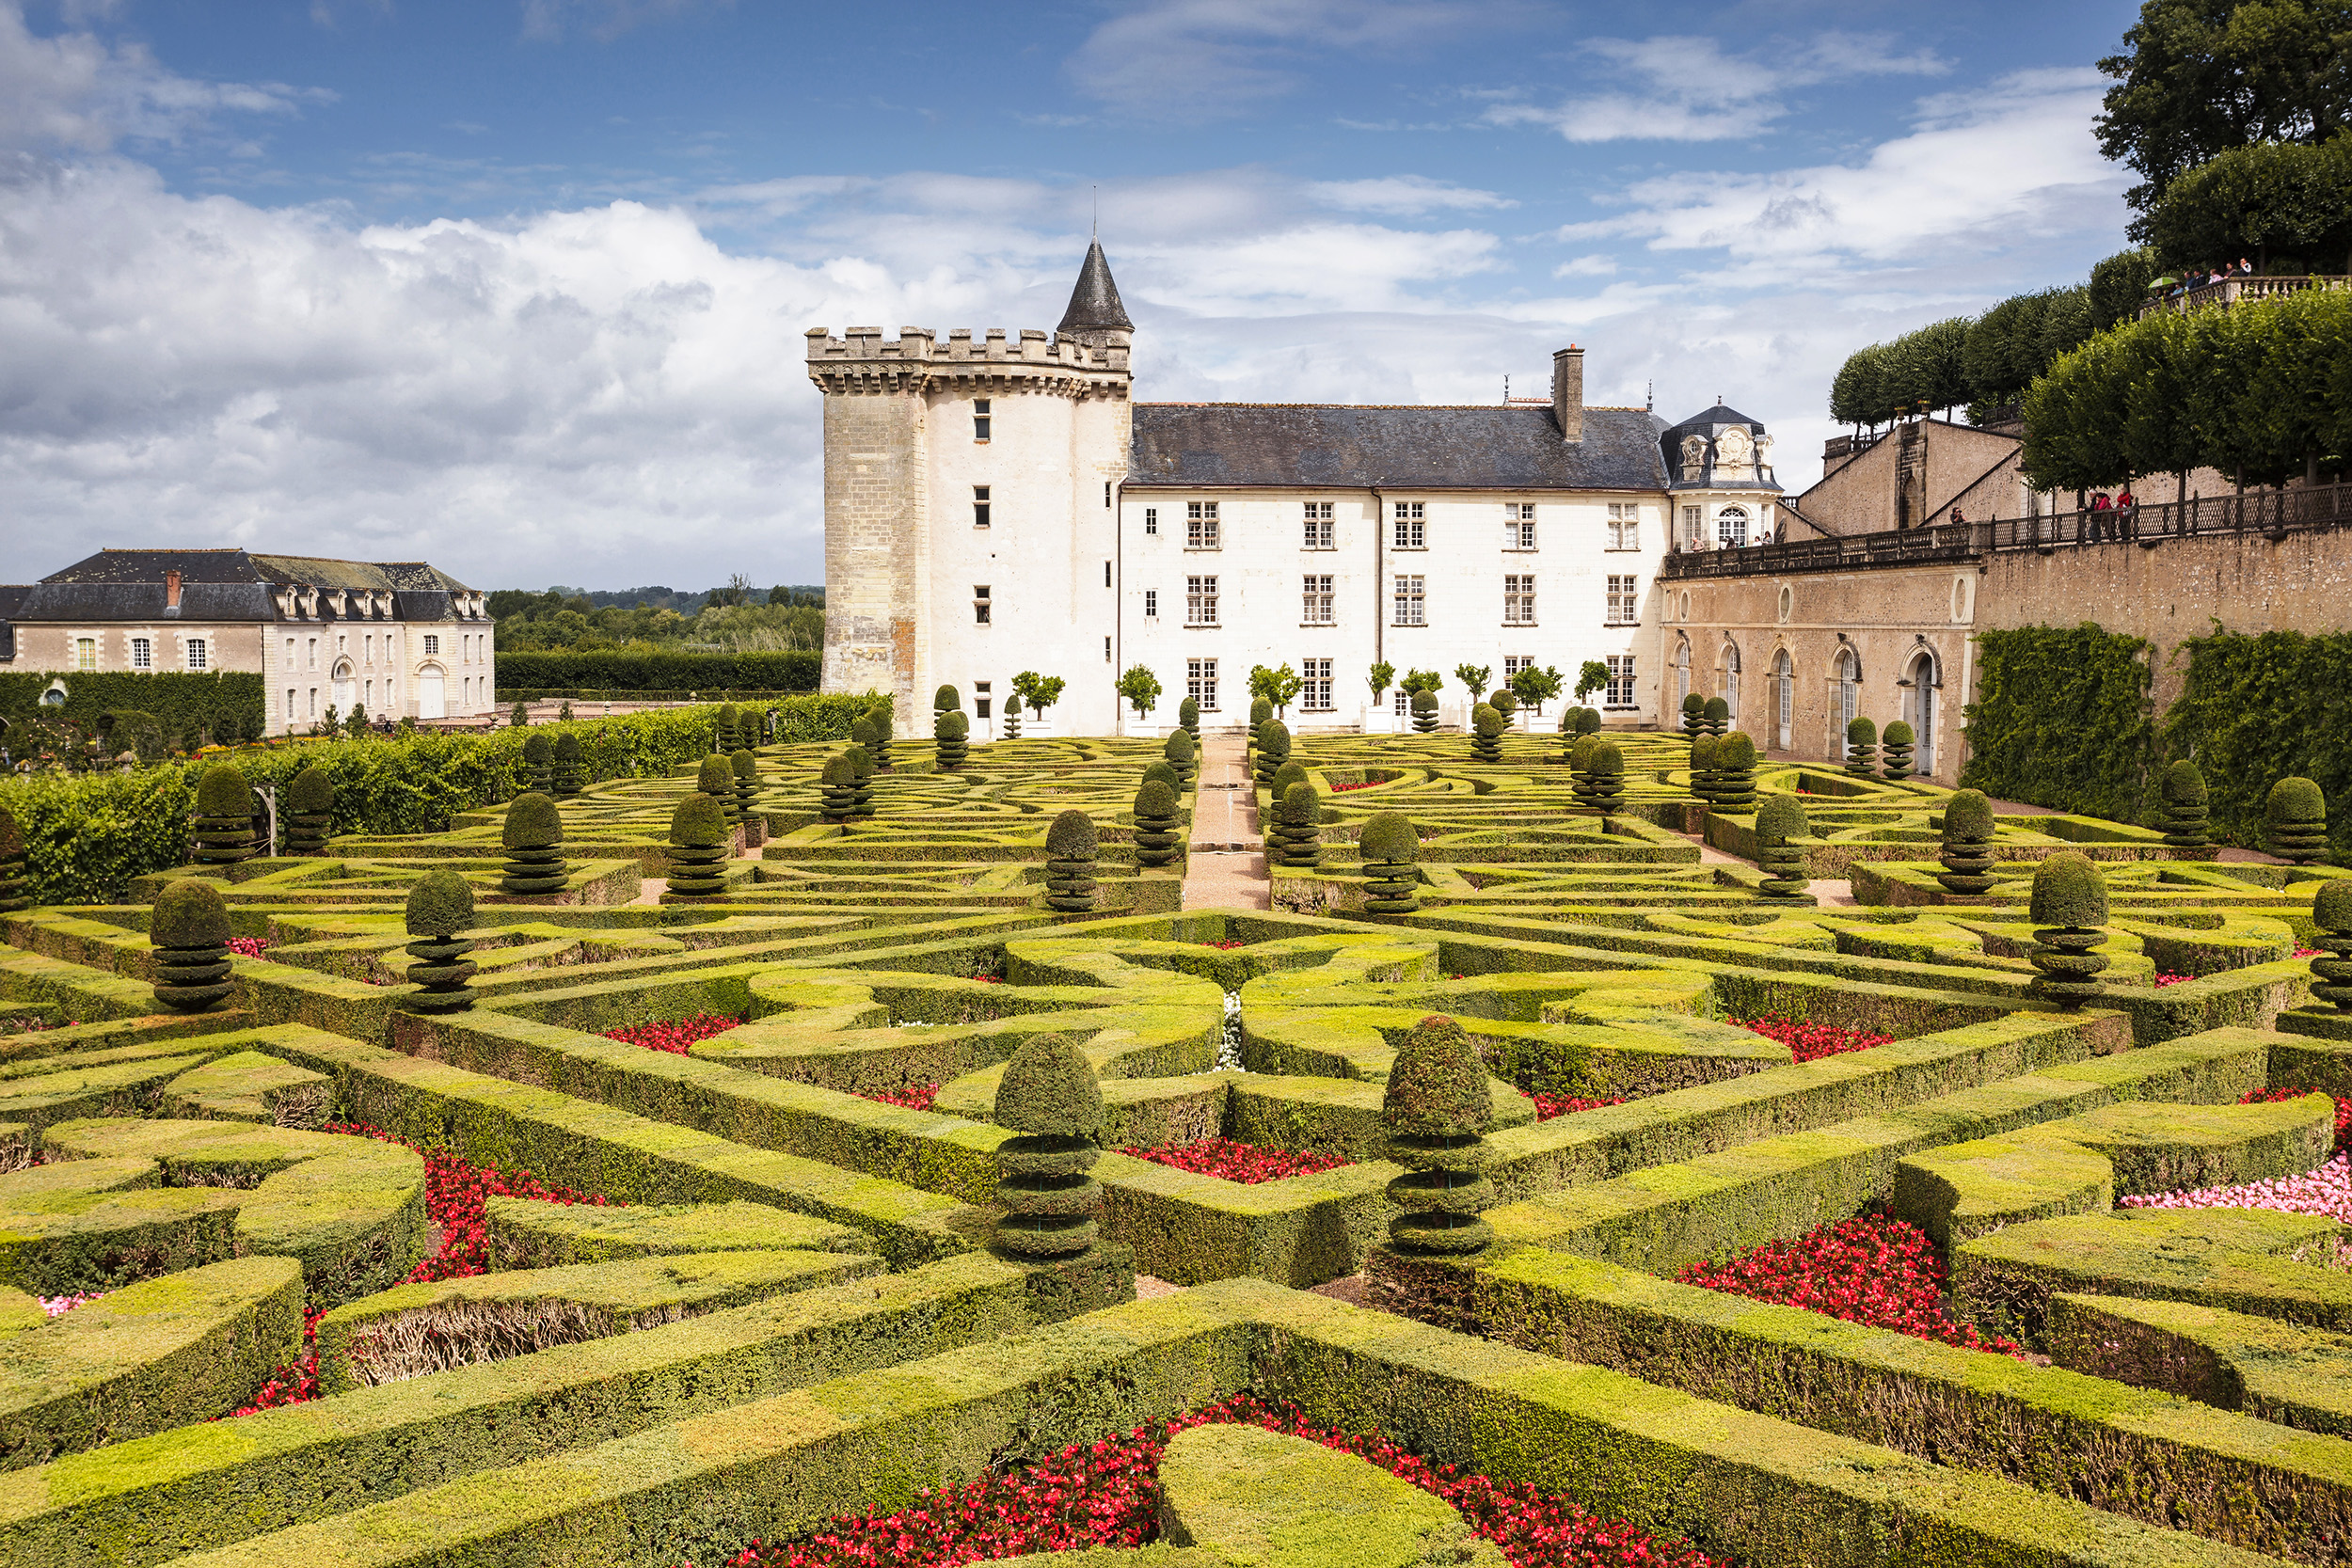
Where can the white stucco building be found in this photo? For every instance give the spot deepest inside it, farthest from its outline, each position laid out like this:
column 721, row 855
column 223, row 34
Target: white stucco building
column 998, row 504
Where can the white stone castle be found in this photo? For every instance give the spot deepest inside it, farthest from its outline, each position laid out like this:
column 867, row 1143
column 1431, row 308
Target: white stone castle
column 997, row 504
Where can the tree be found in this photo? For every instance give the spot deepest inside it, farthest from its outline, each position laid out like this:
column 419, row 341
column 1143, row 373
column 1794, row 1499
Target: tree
column 1278, row 687
column 1534, row 688
column 1383, row 676
column 1419, row 680
column 1593, row 677
column 2119, row 287
column 1141, row 689
column 2272, row 199
column 1476, row 676
column 2199, row 77
column 1037, row 692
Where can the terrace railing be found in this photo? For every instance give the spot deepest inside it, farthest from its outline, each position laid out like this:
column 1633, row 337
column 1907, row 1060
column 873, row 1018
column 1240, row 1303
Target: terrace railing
column 2231, row 289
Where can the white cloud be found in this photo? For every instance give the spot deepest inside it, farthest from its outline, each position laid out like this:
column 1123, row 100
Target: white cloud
column 75, row 91
column 1405, row 195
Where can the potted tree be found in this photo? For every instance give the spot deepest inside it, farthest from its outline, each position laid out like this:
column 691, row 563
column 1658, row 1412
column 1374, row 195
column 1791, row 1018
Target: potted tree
column 1378, row 718
column 1036, row 693
column 1140, row 687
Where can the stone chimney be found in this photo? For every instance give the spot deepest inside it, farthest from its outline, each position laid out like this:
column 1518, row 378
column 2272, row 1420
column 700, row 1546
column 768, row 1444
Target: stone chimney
column 1567, row 392
column 171, row 589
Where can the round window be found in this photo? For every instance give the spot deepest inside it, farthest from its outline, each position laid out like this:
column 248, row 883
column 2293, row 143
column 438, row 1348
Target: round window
column 55, row 696
column 1961, row 594
column 1787, row 602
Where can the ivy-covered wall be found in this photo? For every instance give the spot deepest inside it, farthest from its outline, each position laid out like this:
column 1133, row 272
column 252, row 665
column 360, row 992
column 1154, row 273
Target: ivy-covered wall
column 186, row 702
column 2255, row 708
column 598, row 672
column 2061, row 719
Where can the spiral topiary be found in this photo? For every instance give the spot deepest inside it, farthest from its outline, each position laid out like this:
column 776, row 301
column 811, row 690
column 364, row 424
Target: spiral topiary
column 190, row 934
column 745, row 768
column 2331, row 973
column 1071, row 848
column 1717, row 717
column 1012, row 719
column 2295, row 821
column 1299, row 826
column 722, row 725
column 1735, row 773
column 309, row 811
column 1261, row 715
column 1159, row 839
column 222, row 826
column 1188, row 717
column 441, row 907
column 1600, row 783
column 1485, row 734
column 1291, row 773
column 862, row 765
column 951, row 732
column 1434, row 1109
column 716, row 778
column 862, row 732
column 539, row 760
column 699, row 842
column 1424, row 708
column 1967, row 853
column 533, row 837
column 1779, row 822
column 879, row 716
column 1703, row 766
column 15, row 886
column 1052, row 1098
column 837, row 788
column 571, row 767
column 1693, row 715
column 1862, row 749
column 1274, row 749
column 2183, row 812
column 1896, row 744
column 1182, row 753
column 1505, row 703
column 1388, row 848
column 2070, row 903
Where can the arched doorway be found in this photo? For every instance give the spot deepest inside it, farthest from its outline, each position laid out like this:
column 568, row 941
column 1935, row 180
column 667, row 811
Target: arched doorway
column 1731, row 681
column 344, row 690
column 1920, row 686
column 1784, row 702
column 1682, row 674
column 432, row 692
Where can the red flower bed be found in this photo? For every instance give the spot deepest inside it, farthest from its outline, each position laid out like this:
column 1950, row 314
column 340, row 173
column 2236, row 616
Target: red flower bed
column 1230, row 1161
column 2168, row 980
column 1810, row 1042
column 248, row 947
column 1224, row 946
column 915, row 1097
column 1550, row 1105
column 1342, row 789
column 2343, row 1109
column 673, row 1036
column 1868, row 1270
column 1107, row 1494
column 295, row 1384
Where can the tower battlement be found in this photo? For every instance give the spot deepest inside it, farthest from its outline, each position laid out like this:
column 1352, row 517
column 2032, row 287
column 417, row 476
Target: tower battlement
column 862, row 359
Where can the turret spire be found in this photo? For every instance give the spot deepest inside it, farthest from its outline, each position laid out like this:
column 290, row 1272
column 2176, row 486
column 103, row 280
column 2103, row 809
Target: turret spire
column 1094, row 305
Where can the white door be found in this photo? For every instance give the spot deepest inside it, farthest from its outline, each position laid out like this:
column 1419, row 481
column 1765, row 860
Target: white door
column 344, row 690
column 432, row 695
column 1922, row 706
column 1785, row 678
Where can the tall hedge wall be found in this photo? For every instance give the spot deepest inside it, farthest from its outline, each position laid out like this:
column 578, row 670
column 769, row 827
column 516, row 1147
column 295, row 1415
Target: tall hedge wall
column 594, row 670
column 2062, row 719
column 2254, row 709
column 184, row 701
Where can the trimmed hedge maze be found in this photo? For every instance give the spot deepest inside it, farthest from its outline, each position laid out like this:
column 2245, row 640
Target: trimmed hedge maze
column 757, row 1165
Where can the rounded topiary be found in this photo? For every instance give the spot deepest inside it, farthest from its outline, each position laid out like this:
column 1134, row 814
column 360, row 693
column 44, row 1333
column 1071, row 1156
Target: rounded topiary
column 1188, row 716
column 1425, row 709
column 1486, row 732
column 1506, row 703
column 2185, row 815
column 1434, row 1109
column 862, row 765
column 837, row 788
column 571, row 767
column 715, row 778
column 1735, row 773
column 1166, row 774
column 441, row 907
column 862, row 732
column 1072, row 847
column 1261, row 715
column 1051, row 1098
column 1600, row 778
column 1390, row 849
column 1716, row 714
column 189, row 930
column 1967, row 852
column 1897, row 745
column 1158, row 821
column 1274, row 749
column 2295, row 821
column 309, row 811
column 1779, row 822
column 2331, row 973
column 745, row 768
column 1291, row 773
column 699, row 842
column 879, row 716
column 946, row 700
column 1693, row 715
column 1589, row 720
column 15, row 886
column 533, row 837
column 539, row 760
column 951, row 734
column 1568, row 721
column 1862, row 748
column 1298, row 830
column 222, row 826
column 1703, row 766
column 2070, row 903
column 1182, row 753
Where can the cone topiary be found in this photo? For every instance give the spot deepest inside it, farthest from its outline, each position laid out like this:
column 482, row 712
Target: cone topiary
column 1967, row 844
column 2331, row 973
column 1862, row 749
column 1299, row 826
column 1434, row 1109
column 1897, row 745
column 725, row 725
column 951, row 732
column 1693, row 715
column 837, row 788
column 190, row 933
column 2295, row 821
column 571, row 767
column 745, row 768
column 1158, row 822
column 2184, row 814
column 1188, row 716
column 1425, row 706
column 1274, row 749
column 1716, row 714
column 879, row 716
column 862, row 765
column 1184, row 754
column 15, row 885
column 539, row 760
column 441, row 907
column 1735, row 773
column 1485, row 734
column 1703, row 766
column 1072, row 847
column 1600, row 782
column 2070, row 904
column 309, row 811
column 533, row 837
column 1388, row 848
column 699, row 842
column 1778, row 821
column 1051, row 1098
column 223, row 824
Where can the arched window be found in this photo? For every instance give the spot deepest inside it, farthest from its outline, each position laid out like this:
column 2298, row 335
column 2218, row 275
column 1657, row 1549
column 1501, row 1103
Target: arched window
column 1682, row 672
column 1731, row 681
column 1920, row 686
column 1731, row 528
column 1849, row 690
column 1784, row 701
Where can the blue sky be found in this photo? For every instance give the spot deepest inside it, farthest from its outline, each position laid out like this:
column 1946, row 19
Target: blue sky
column 518, row 286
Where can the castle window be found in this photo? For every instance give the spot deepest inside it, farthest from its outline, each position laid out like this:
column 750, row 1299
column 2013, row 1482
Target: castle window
column 1620, row 693
column 1201, row 601
column 1106, row 494
column 1621, row 597
column 143, row 653
column 1625, row 525
column 1314, row 685
column 1107, row 650
column 1200, row 526
column 980, row 506
column 1318, row 525
column 1406, row 518
column 1518, row 525
column 1151, row 603
column 979, row 419
column 289, row 704
column 1691, row 535
column 1519, row 599
column 1731, row 528
column 1151, row 520
column 1402, row 703
column 980, row 699
column 197, row 652
column 1107, row 574
column 979, row 604
column 1317, row 610
column 431, row 646
column 313, row 655
column 85, row 653
column 1409, row 604
column 1201, row 683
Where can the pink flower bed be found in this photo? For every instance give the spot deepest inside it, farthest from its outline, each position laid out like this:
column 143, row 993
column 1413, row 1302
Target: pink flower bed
column 1230, row 1161
column 57, row 1307
column 673, row 1036
column 2327, row 1191
column 248, row 947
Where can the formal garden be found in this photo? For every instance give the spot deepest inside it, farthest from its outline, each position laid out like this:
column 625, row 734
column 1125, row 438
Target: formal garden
column 1607, row 1148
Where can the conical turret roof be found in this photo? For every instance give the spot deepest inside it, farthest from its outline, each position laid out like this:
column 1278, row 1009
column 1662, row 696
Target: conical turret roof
column 1094, row 303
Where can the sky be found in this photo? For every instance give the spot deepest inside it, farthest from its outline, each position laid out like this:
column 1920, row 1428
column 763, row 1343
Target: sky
column 519, row 287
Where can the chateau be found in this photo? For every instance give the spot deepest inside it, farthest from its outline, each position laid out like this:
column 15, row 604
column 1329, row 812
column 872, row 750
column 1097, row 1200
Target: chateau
column 999, row 502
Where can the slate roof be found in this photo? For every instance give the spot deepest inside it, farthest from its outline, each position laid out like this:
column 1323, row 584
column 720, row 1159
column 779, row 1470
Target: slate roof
column 1409, row 446
column 1094, row 303
column 219, row 585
